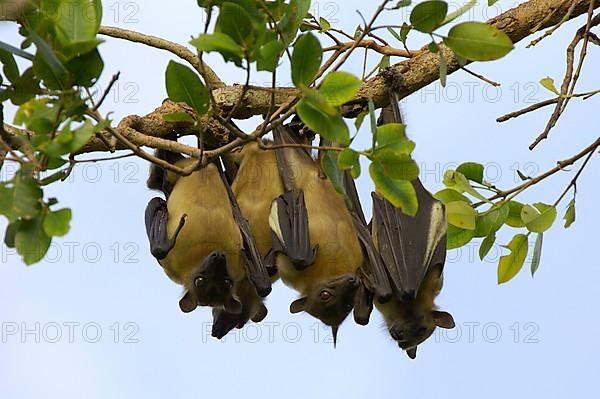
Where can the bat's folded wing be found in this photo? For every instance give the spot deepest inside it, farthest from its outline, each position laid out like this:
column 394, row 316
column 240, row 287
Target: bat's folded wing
column 156, row 218
column 410, row 245
column 255, row 268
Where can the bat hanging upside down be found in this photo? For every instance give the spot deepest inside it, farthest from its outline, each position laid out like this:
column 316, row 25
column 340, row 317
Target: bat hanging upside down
column 413, row 252
column 318, row 250
column 199, row 239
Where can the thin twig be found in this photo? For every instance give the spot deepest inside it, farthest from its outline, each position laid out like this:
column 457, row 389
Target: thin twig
column 573, row 182
column 156, row 42
column 513, row 192
column 113, row 80
column 568, row 81
column 369, row 44
column 478, row 76
column 523, row 111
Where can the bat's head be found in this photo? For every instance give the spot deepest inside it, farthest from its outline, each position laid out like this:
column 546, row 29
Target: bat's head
column 330, row 301
column 412, row 329
column 211, row 285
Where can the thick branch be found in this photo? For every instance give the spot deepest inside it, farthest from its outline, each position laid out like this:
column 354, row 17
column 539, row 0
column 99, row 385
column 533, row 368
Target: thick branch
column 423, row 69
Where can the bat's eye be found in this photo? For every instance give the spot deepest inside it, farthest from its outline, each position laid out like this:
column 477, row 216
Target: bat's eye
column 228, row 283
column 198, row 281
column 325, row 295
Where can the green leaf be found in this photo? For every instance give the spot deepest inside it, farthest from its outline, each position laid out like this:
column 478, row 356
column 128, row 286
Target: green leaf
column 31, row 241
column 472, row 171
column 514, row 214
column 11, row 231
column 511, row 264
column 178, row 117
column 296, row 11
column 404, row 30
column 433, row 47
column 324, row 24
column 77, row 21
column 448, row 195
column 25, row 197
column 86, row 69
column 47, row 65
column 548, row 83
column 385, row 62
column 428, row 15
column 221, row 43
column 16, row 51
column 61, row 174
column 306, row 59
column 492, row 2
column 391, row 138
column 394, row 33
column 331, row 127
column 329, row 165
column 24, row 88
column 539, row 217
column 458, row 237
column 486, row 245
column 400, row 193
column 460, row 214
column 235, row 22
column 491, row 221
column 9, row 65
column 183, row 85
column 399, row 167
column 570, row 214
column 56, row 223
column 339, row 87
column 401, row 3
column 269, row 55
column 359, row 120
column 537, row 253
column 443, row 69
column 478, row 41
column 462, row 10
column 457, row 181
column 81, row 136
column 349, row 159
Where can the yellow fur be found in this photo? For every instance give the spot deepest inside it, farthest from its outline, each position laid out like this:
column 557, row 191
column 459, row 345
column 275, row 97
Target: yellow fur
column 255, row 187
column 209, row 225
column 330, row 226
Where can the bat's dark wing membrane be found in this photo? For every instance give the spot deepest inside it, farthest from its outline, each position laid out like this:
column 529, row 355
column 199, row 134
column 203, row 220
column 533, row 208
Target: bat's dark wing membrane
column 289, row 217
column 373, row 273
column 156, row 218
column 255, row 268
column 410, row 245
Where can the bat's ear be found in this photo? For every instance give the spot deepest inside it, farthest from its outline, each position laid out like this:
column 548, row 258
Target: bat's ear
column 299, row 305
column 443, row 319
column 232, row 306
column 412, row 352
column 187, row 303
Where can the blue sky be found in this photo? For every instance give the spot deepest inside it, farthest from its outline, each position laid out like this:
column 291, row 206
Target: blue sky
column 107, row 319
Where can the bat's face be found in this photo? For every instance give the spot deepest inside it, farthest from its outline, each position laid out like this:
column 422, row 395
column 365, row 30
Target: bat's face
column 329, row 301
column 413, row 328
column 211, row 285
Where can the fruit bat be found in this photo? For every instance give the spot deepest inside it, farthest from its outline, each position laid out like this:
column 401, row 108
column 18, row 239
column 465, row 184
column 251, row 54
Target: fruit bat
column 255, row 184
column 200, row 239
column 318, row 250
column 413, row 251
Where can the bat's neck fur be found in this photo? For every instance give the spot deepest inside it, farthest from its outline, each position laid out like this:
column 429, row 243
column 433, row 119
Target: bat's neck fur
column 399, row 309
